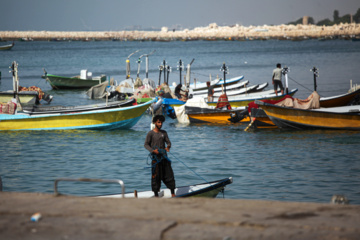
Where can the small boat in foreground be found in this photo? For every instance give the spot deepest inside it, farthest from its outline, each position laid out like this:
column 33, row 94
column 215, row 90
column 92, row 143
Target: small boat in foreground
column 7, row 47
column 208, row 189
column 346, row 117
column 85, row 80
column 94, row 117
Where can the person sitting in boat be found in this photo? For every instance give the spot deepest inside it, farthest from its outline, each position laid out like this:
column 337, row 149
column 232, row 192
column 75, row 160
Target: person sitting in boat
column 210, row 92
column 181, row 95
column 160, row 164
column 276, row 79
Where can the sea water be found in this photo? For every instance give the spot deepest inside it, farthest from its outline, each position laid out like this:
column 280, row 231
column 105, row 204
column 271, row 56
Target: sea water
column 305, row 166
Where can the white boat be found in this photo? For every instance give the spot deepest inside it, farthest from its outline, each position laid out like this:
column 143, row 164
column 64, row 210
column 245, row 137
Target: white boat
column 208, row 189
column 204, row 92
column 216, row 83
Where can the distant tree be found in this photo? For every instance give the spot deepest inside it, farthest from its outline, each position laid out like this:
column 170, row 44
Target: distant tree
column 344, row 19
column 311, row 20
column 325, row 22
column 356, row 17
column 336, row 15
column 299, row 21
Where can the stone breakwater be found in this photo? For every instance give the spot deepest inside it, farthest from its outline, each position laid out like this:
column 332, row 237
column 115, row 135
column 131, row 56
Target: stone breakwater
column 211, row 32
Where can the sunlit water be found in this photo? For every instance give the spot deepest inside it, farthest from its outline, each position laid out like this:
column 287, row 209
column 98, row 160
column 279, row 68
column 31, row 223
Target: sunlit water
column 307, row 166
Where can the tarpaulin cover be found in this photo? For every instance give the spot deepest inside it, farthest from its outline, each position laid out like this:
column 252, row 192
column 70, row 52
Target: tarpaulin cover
column 223, row 102
column 312, row 102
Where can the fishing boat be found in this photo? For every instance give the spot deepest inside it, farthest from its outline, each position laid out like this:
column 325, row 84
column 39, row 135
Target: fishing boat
column 346, row 117
column 196, row 86
column 84, row 80
column 233, row 92
column 212, row 115
column 7, row 47
column 208, row 189
column 203, row 93
column 339, row 100
column 259, row 118
column 244, row 99
column 94, row 117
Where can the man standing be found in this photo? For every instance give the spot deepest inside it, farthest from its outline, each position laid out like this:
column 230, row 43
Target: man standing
column 276, row 79
column 160, row 164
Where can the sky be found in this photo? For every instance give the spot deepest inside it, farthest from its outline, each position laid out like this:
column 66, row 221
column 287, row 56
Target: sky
column 118, row 15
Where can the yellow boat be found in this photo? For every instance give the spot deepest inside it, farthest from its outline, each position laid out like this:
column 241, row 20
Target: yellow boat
column 212, row 115
column 347, row 117
column 122, row 115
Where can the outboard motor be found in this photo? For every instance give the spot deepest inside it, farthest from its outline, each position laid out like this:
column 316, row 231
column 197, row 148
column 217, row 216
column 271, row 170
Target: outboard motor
column 238, row 116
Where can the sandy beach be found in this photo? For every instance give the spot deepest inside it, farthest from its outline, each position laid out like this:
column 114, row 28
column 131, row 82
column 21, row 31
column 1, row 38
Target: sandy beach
column 210, row 32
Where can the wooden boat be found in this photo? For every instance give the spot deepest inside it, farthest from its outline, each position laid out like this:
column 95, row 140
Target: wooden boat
column 95, row 117
column 203, row 93
column 212, row 115
column 339, row 100
column 76, row 82
column 244, row 99
column 261, row 120
column 216, row 83
column 346, row 117
column 232, row 92
column 208, row 189
column 7, row 47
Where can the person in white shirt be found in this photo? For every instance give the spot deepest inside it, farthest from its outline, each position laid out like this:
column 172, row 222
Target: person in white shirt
column 276, row 79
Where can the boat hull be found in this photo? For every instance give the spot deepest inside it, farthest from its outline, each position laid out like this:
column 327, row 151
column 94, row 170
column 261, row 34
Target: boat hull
column 58, row 82
column 104, row 119
column 216, row 116
column 337, row 101
column 208, row 190
column 6, row 47
column 312, row 119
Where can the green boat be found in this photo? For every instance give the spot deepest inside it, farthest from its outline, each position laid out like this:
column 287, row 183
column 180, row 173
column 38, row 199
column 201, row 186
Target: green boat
column 85, row 80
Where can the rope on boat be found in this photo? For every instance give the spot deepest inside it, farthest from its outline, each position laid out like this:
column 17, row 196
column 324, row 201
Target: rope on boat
column 163, row 155
column 190, row 169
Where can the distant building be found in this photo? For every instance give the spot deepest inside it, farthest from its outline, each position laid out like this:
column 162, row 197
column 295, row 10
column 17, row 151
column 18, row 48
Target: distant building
column 305, row 20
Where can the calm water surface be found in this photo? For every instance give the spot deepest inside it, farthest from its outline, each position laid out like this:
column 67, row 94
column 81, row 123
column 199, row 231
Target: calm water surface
column 307, row 166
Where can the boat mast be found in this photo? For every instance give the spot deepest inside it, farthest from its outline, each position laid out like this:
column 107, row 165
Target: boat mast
column 285, row 71
column 164, row 69
column 188, row 71
column 138, row 70
column 225, row 70
column 14, row 71
column 128, row 64
column 168, row 72
column 160, row 68
column 180, row 68
column 147, row 63
column 316, row 74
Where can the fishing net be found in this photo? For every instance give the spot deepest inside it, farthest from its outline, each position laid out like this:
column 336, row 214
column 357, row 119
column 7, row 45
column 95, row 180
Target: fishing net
column 32, row 88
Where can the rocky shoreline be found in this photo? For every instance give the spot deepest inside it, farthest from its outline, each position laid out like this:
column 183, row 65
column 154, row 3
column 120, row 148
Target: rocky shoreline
column 211, row 32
